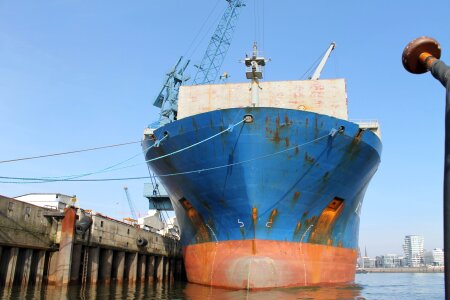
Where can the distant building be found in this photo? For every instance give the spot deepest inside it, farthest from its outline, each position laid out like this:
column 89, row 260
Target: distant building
column 367, row 262
column 55, row 201
column 434, row 257
column 413, row 248
column 404, row 262
column 438, row 257
column 389, row 261
column 151, row 221
column 428, row 258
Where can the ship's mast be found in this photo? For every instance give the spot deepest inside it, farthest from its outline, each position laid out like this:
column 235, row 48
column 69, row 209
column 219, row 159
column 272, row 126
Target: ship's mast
column 254, row 71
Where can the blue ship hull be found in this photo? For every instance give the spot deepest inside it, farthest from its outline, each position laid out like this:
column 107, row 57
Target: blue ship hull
column 286, row 177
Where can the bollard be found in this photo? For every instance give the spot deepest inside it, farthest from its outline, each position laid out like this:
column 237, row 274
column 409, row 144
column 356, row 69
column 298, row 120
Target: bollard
column 419, row 56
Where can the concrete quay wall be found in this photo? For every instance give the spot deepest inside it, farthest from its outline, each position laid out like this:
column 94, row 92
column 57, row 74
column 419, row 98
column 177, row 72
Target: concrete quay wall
column 405, row 270
column 113, row 234
column 24, row 225
column 45, row 246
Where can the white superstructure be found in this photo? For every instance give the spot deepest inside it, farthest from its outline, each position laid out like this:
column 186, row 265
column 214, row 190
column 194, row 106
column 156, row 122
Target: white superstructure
column 48, row 200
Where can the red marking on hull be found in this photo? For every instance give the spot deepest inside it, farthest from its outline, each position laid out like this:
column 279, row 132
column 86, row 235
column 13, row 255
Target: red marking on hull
column 232, row 264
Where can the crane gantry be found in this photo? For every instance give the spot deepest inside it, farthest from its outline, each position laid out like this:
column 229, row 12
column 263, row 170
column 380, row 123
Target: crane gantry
column 208, row 69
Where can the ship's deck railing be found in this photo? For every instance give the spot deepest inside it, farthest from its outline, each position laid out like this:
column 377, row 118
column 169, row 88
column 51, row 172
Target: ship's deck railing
column 372, row 125
column 367, row 123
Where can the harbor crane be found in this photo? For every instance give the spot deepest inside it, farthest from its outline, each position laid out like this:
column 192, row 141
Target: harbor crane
column 219, row 44
column 207, row 71
column 130, row 203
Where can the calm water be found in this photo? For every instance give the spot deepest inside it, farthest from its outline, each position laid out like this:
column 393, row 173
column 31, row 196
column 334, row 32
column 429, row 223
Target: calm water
column 368, row 286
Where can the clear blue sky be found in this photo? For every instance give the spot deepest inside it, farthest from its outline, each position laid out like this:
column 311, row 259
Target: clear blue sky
column 80, row 74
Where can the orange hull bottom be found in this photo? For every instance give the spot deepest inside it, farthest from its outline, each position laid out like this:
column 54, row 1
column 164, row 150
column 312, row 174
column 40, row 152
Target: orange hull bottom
column 259, row 264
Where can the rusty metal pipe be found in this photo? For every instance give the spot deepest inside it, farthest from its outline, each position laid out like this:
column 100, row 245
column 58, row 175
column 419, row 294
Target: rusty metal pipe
column 419, row 56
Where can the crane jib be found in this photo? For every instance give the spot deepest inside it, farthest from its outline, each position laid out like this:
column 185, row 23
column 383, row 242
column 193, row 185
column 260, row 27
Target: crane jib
column 207, row 71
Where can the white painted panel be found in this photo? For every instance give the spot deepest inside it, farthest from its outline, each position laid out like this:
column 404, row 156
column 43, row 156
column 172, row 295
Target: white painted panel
column 321, row 96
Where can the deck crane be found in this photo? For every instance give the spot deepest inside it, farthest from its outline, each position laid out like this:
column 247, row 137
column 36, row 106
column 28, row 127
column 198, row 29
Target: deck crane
column 208, row 69
column 322, row 63
column 130, row 203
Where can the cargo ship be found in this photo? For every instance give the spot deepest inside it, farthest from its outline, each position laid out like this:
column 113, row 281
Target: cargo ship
column 266, row 179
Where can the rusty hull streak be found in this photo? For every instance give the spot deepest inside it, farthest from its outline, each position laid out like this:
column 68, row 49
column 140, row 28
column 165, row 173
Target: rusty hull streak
column 276, row 135
column 353, row 149
column 355, row 142
column 297, row 229
column 242, row 230
column 321, row 233
column 287, row 122
column 254, row 219
column 267, row 127
column 295, row 198
column 203, row 234
column 359, row 135
column 303, row 225
column 254, row 215
column 272, row 217
column 308, row 158
column 316, row 126
column 286, row 140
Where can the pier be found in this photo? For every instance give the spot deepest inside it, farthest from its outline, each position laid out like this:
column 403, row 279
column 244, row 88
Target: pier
column 403, row 270
column 40, row 245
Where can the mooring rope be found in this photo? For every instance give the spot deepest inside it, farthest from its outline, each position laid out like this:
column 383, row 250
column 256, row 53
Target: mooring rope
column 112, row 168
column 25, row 180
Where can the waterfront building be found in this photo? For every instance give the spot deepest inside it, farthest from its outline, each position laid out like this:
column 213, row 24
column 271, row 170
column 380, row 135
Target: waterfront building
column 438, row 257
column 434, row 257
column 367, row 262
column 413, row 248
column 378, row 262
column 389, row 261
column 48, row 200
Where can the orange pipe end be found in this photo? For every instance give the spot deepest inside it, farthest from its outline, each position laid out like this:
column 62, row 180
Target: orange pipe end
column 427, row 59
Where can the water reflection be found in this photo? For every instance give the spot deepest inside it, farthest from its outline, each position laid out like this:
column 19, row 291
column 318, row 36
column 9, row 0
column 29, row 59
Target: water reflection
column 194, row 292
column 177, row 290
